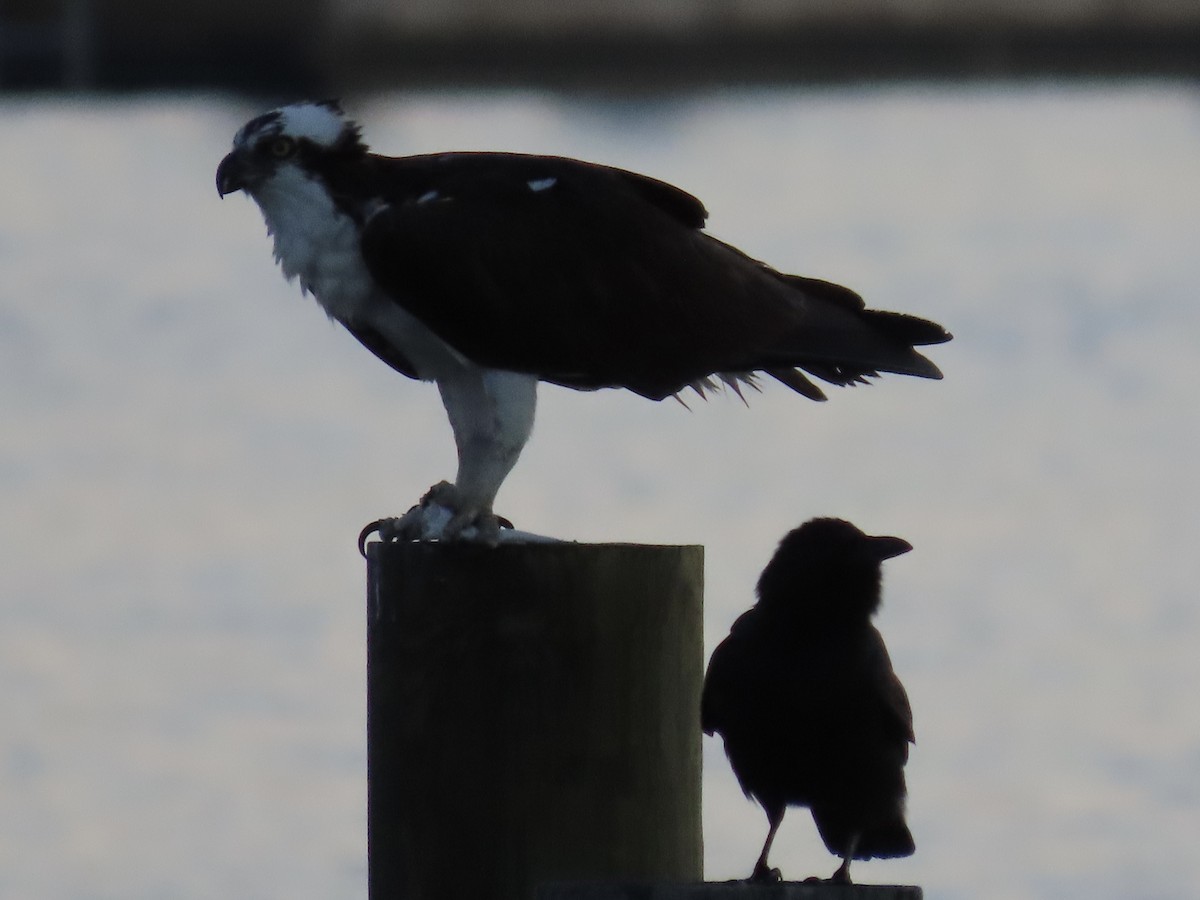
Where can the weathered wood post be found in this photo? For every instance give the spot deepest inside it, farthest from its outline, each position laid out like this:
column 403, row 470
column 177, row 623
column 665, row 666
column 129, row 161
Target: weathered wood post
column 532, row 717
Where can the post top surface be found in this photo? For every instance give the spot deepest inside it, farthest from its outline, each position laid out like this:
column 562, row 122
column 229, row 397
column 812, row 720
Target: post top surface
column 378, row 550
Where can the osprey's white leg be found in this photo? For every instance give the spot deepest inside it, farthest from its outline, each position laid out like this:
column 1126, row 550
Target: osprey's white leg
column 491, row 413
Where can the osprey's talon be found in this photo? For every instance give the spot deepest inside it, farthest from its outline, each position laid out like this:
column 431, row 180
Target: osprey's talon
column 369, row 529
column 393, row 528
column 437, row 517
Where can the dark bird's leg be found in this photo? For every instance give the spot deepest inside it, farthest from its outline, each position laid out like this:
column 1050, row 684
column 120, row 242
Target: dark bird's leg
column 762, row 871
column 842, row 875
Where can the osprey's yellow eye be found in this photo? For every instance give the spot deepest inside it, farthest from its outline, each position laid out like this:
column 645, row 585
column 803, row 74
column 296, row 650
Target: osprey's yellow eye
column 282, row 147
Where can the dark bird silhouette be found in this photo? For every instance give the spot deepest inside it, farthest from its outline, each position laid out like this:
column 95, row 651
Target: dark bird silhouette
column 804, row 695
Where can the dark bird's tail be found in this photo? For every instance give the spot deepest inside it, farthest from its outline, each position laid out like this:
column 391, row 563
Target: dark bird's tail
column 839, row 340
column 886, row 841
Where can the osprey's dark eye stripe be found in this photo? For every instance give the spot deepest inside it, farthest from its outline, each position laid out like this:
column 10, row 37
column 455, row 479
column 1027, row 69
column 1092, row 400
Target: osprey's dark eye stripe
column 260, row 123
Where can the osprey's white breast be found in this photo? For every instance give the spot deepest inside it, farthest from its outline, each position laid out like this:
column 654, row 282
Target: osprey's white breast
column 320, row 245
column 317, row 243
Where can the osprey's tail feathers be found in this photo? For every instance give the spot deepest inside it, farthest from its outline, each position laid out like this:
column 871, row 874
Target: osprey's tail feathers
column 840, row 341
column 797, row 382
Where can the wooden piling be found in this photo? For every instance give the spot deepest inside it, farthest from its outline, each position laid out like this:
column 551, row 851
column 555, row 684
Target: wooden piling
column 533, row 717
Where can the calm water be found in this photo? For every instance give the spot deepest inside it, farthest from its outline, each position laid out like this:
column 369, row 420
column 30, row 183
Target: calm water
column 189, row 449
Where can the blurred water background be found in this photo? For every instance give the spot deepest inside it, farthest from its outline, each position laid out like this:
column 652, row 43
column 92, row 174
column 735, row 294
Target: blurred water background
column 189, row 448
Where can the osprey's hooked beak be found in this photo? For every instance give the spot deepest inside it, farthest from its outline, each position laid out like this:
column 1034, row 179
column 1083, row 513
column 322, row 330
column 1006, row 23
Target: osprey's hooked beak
column 232, row 174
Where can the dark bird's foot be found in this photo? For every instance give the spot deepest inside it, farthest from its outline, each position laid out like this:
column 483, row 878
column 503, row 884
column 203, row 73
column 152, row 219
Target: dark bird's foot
column 439, row 516
column 764, row 875
column 837, row 877
column 842, row 875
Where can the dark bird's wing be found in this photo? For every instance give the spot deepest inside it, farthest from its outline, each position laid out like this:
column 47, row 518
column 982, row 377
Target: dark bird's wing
column 734, row 669
column 716, row 698
column 747, row 699
column 594, row 277
column 877, row 728
column 895, row 711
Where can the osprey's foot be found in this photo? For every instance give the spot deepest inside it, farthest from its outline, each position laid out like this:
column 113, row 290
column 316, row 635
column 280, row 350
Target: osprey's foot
column 762, row 874
column 439, row 516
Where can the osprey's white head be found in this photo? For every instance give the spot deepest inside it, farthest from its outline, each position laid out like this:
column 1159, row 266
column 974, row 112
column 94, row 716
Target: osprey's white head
column 304, row 135
column 287, row 160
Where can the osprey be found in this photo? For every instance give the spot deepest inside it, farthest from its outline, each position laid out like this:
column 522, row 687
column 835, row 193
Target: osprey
column 489, row 272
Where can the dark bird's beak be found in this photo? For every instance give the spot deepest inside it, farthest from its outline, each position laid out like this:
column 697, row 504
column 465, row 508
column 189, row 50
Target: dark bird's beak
column 231, row 174
column 886, row 547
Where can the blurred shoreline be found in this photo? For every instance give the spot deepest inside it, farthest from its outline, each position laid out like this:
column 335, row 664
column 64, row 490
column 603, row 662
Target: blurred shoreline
column 318, row 45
